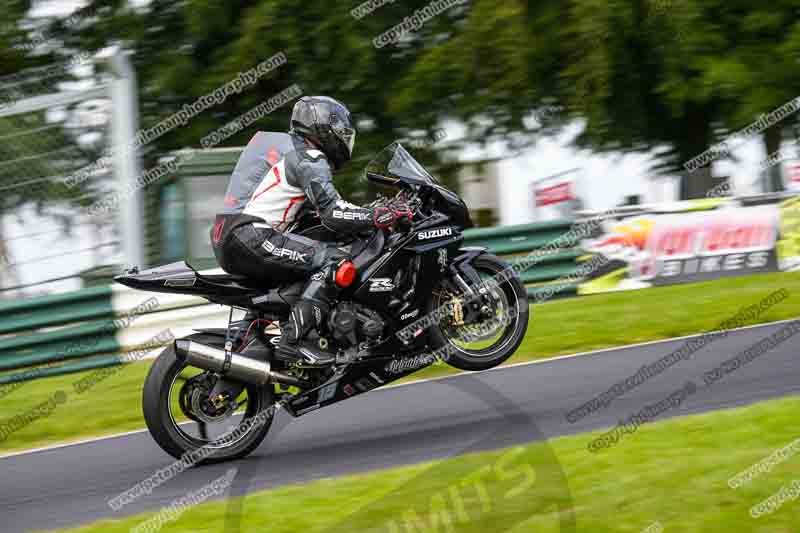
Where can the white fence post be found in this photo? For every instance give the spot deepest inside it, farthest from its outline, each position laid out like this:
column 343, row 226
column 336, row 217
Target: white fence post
column 127, row 164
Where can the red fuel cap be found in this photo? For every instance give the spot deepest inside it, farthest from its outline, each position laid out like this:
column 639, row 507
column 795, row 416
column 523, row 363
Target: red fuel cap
column 345, row 274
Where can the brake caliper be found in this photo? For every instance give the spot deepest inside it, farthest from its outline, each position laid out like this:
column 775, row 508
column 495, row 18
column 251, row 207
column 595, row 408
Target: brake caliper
column 458, row 312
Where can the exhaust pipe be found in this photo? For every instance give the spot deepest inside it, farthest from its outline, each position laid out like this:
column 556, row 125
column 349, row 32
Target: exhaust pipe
column 234, row 366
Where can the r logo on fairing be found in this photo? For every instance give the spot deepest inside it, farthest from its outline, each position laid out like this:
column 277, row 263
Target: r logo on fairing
column 381, row 285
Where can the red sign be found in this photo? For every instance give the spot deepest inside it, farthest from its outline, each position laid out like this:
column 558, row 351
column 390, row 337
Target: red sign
column 717, row 237
column 692, row 245
column 555, row 194
column 793, row 172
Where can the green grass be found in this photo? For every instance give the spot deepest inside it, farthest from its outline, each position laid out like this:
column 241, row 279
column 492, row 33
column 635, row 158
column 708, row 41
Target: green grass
column 616, row 319
column 673, row 472
column 112, row 406
column 558, row 327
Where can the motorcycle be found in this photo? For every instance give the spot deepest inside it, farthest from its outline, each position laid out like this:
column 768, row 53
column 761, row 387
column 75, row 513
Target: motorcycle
column 410, row 298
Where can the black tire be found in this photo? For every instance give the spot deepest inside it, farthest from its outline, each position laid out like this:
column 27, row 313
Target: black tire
column 515, row 292
column 155, row 404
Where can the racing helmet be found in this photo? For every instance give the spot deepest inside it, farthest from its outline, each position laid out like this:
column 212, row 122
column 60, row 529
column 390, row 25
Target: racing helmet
column 328, row 124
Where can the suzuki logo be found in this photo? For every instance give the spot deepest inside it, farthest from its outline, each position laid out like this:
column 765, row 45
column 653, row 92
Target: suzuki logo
column 434, row 233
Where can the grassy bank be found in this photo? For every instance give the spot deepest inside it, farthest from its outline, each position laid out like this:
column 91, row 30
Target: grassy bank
column 556, row 328
column 674, row 473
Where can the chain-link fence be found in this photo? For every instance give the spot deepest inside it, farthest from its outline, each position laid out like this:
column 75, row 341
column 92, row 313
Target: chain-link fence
column 50, row 127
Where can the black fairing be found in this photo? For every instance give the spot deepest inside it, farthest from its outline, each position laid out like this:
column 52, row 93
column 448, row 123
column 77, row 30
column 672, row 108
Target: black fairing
column 226, row 289
column 452, row 205
column 355, row 379
column 181, row 278
column 399, row 282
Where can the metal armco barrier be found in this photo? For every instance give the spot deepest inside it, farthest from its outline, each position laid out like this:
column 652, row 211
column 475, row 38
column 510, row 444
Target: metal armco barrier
column 56, row 310
column 553, row 272
column 94, row 327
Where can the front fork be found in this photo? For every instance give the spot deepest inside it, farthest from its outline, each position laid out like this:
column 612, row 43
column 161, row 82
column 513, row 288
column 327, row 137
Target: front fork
column 472, row 301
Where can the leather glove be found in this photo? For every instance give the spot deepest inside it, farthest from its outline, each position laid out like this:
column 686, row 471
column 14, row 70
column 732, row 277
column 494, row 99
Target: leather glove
column 387, row 216
column 403, row 213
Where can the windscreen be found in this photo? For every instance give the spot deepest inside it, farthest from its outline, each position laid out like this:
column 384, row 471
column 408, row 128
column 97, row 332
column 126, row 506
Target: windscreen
column 394, row 162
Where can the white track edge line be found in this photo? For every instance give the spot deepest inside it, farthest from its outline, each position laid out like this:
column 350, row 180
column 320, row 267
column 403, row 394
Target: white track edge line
column 588, row 353
column 429, row 380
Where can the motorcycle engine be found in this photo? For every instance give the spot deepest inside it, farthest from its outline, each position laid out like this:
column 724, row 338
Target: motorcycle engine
column 351, row 323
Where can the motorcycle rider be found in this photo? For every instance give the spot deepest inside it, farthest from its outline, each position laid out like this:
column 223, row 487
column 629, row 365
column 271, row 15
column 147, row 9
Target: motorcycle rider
column 275, row 175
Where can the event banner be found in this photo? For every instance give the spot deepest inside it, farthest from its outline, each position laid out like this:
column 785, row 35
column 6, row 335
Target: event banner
column 557, row 196
column 654, row 249
column 553, row 194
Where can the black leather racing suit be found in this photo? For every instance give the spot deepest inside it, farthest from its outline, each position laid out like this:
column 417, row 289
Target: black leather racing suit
column 275, row 175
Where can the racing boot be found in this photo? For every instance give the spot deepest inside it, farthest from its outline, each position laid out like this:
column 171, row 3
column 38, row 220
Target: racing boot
column 300, row 339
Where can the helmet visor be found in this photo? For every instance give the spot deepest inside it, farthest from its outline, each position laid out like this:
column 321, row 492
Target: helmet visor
column 350, row 139
column 347, row 136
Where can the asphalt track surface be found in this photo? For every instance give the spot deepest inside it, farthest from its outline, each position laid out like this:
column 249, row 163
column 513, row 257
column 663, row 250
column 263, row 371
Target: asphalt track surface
column 408, row 424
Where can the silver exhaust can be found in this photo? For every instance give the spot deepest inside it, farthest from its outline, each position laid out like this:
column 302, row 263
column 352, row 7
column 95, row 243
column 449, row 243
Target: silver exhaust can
column 235, row 366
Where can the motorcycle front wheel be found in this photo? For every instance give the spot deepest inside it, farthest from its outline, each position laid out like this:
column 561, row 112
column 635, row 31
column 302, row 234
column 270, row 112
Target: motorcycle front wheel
column 496, row 335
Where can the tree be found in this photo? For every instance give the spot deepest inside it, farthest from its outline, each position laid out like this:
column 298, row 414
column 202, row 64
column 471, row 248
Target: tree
column 750, row 58
column 491, row 68
column 676, row 76
column 35, row 151
column 184, row 50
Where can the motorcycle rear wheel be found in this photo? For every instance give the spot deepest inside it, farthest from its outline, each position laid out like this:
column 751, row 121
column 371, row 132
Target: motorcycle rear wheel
column 172, row 434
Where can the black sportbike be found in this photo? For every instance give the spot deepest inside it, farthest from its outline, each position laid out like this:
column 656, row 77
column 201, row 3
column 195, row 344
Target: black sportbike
column 415, row 297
